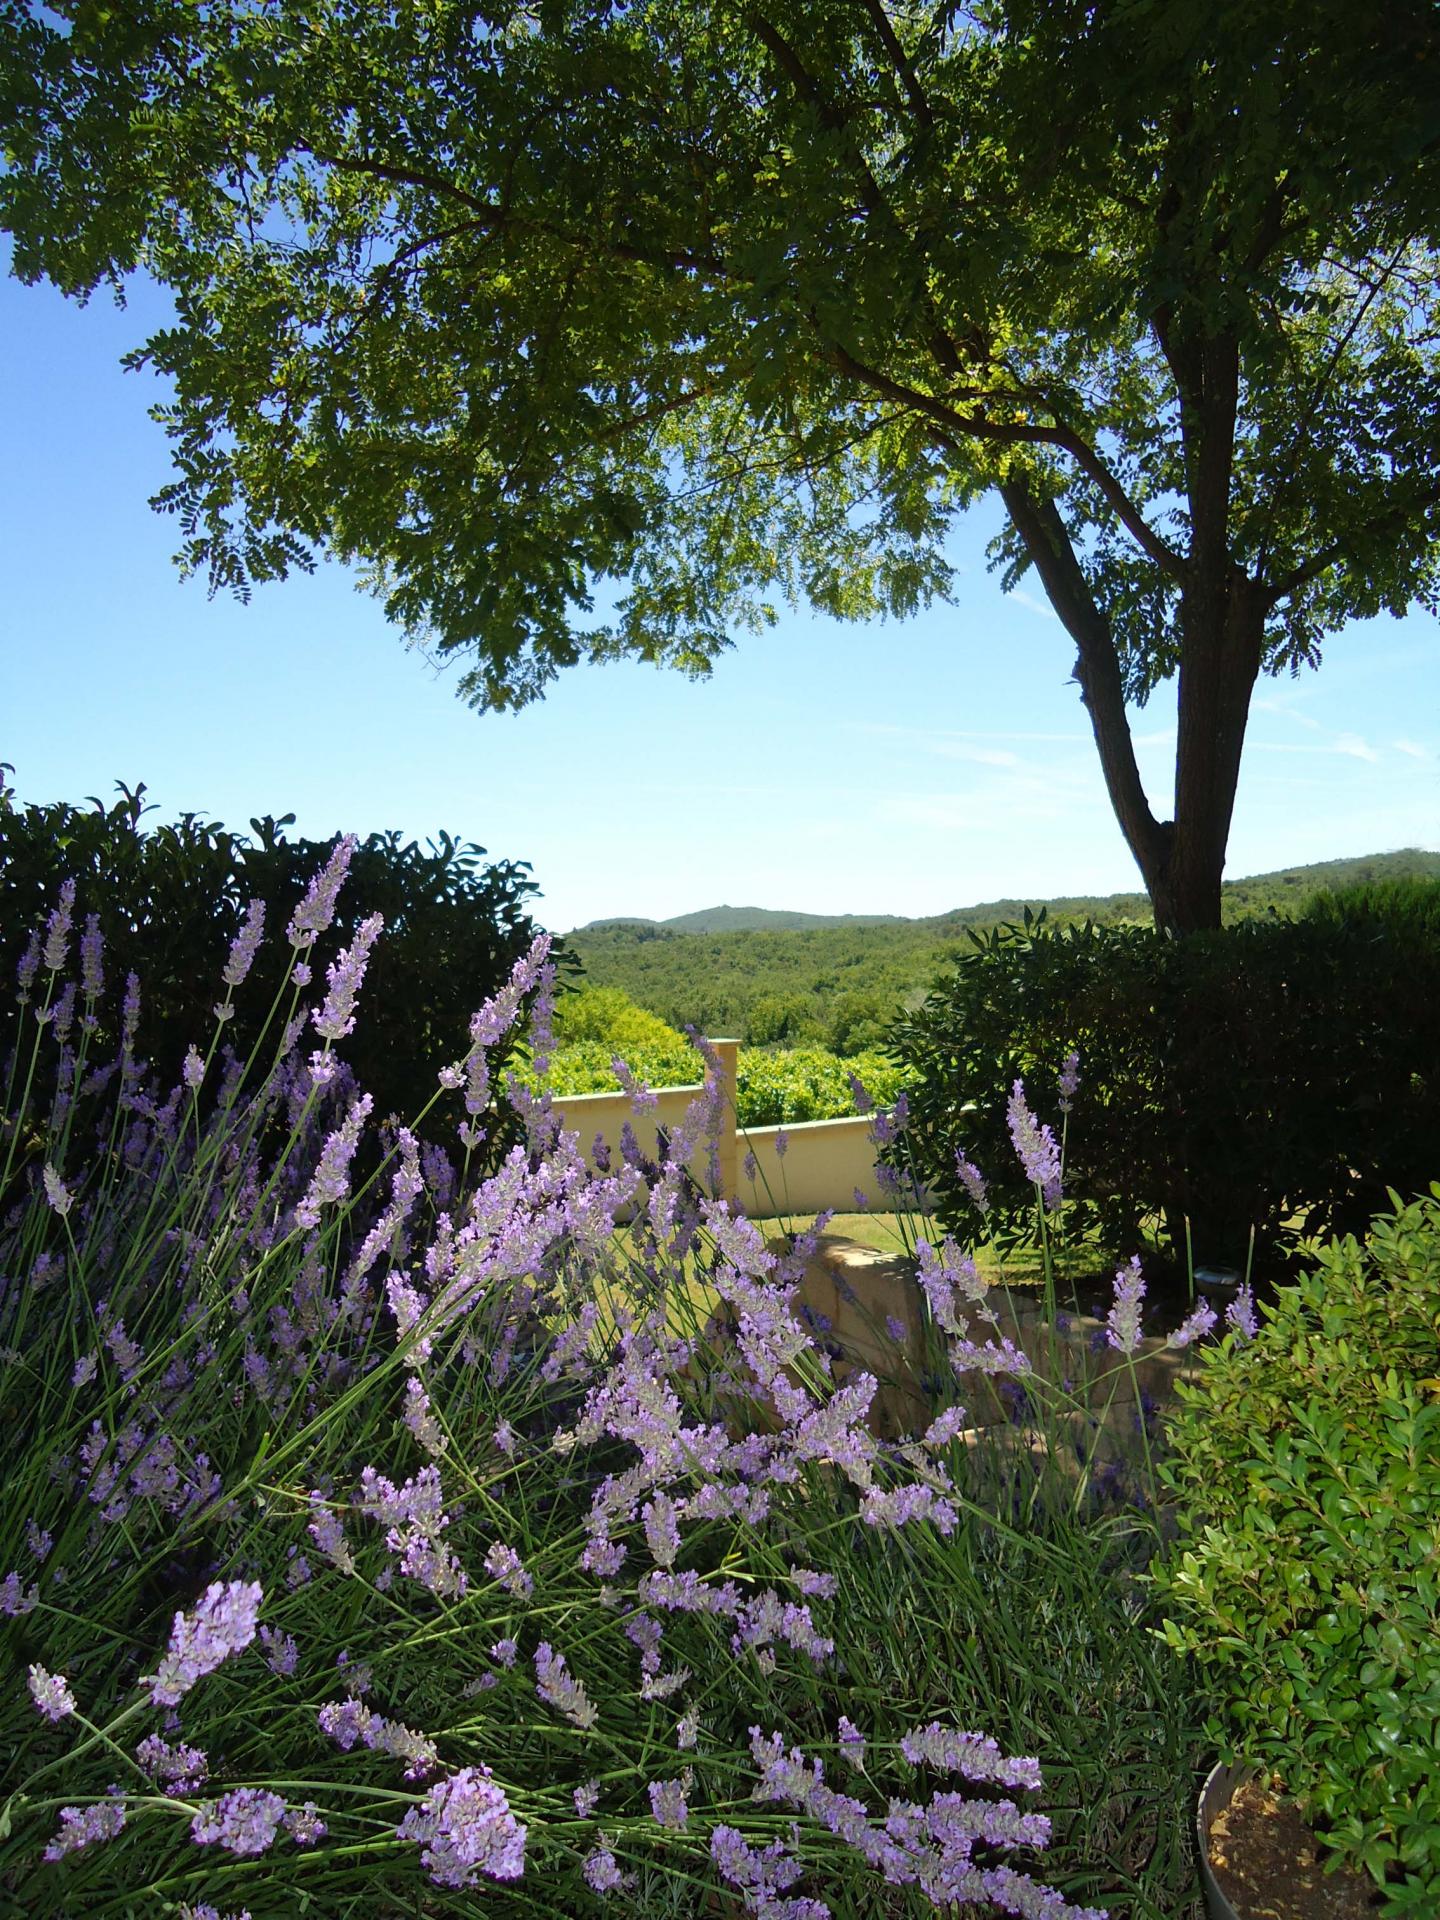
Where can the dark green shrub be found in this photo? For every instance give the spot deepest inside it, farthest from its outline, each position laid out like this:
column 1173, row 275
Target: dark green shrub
column 171, row 898
column 1306, row 1579
column 1234, row 1078
column 1411, row 903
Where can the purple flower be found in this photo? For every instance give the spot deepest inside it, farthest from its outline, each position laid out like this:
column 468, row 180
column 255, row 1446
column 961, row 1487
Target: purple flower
column 304, row 1825
column 662, row 1529
column 555, row 1684
column 130, row 1013
column 667, row 1802
column 28, row 968
column 1035, row 1146
column 1240, row 1315
column 782, row 1143
column 329, row 1535
column 504, row 1652
column 331, row 1181
column 245, row 945
column 57, row 931
column 14, row 1599
column 750, row 1166
column 344, row 1721
column 56, row 1192
column 973, row 1181
column 282, row 1656
column 586, row 1798
column 1122, row 1323
column 346, row 976
column 642, row 1100
column 421, row 1421
column 762, row 1875
column 505, row 1565
column 897, row 1329
column 92, row 948
column 1195, row 1326
column 602, row 1874
column 315, row 912
column 51, row 1693
column 464, row 1828
column 944, row 1427
column 852, row 1742
column 1069, row 1080
column 974, row 1755
column 223, row 1623
column 193, row 1071
column 243, row 1821
column 177, row 1770
column 85, row 1826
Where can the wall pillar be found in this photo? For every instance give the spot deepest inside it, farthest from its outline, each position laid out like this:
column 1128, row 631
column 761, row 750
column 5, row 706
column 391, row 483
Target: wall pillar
column 729, row 1056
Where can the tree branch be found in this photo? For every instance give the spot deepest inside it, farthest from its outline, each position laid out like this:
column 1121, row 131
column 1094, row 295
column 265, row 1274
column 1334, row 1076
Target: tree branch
column 1097, row 670
column 498, row 220
column 900, row 61
column 1311, row 569
column 1024, row 433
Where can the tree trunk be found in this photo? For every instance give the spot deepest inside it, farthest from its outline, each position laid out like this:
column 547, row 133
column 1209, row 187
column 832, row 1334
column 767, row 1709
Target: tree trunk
column 1222, row 620
column 1222, row 630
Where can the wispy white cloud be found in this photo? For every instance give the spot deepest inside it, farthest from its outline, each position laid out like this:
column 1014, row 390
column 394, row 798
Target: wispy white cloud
column 1411, row 747
column 1031, row 603
column 1286, row 710
column 1354, row 748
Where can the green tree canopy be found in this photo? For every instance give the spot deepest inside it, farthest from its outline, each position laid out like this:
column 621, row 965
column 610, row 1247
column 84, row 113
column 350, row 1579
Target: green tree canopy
column 682, row 311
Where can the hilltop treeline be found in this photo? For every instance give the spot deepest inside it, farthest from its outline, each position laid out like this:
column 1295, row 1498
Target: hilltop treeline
column 840, row 986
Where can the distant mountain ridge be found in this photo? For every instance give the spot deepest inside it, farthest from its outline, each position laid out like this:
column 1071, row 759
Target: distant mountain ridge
column 1297, row 882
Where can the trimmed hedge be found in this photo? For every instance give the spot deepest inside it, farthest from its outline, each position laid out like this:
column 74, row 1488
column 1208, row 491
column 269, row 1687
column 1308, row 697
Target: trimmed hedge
column 171, row 898
column 1233, row 1078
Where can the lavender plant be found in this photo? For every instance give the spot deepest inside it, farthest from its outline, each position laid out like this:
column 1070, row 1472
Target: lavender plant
column 372, row 1539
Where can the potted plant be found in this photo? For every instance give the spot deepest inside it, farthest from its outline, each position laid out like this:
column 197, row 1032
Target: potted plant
column 1305, row 1580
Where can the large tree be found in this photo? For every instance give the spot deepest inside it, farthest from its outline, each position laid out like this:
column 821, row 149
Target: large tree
column 730, row 303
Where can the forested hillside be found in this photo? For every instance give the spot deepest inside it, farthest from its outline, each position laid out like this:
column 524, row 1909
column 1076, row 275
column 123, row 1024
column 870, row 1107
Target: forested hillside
column 733, row 971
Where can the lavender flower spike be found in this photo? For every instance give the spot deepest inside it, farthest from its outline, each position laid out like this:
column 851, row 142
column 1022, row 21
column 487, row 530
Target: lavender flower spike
column 245, row 945
column 1240, row 1315
column 51, row 1693
column 56, row 1192
column 337, row 1017
column 1195, row 1325
column 1069, row 1080
column 84, row 1826
column 1036, row 1147
column 1122, row 1323
column 331, row 1180
column 92, row 948
column 315, row 912
column 973, row 1181
column 57, row 931
column 223, row 1623
column 243, row 1821
column 465, row 1828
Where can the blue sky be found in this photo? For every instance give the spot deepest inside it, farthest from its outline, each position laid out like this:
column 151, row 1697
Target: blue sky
column 906, row 768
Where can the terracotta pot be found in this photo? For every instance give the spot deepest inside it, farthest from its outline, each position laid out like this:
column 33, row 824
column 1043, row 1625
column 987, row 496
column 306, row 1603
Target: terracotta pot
column 1220, row 1784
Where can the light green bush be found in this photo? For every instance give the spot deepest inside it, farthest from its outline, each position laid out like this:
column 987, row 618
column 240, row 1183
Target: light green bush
column 1306, row 1581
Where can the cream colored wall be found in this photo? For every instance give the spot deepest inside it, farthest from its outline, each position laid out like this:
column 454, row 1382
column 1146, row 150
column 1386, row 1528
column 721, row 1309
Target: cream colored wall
column 824, row 1163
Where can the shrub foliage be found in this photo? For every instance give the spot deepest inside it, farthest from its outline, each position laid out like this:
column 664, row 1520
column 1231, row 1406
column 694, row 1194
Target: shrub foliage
column 1308, row 1465
column 1232, row 1078
column 171, row 898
